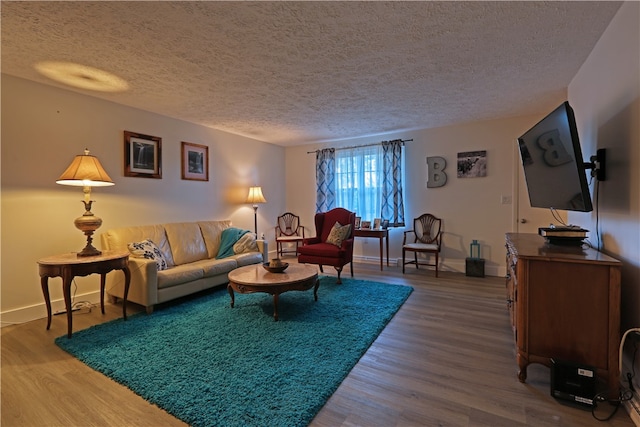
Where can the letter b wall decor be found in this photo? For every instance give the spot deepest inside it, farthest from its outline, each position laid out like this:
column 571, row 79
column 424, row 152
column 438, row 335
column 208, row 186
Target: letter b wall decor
column 436, row 175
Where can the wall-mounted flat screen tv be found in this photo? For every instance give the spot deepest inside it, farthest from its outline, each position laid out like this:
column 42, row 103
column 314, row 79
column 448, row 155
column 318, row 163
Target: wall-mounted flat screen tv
column 553, row 165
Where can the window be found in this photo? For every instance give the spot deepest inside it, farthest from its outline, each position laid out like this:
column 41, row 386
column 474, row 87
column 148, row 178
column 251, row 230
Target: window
column 366, row 180
column 359, row 181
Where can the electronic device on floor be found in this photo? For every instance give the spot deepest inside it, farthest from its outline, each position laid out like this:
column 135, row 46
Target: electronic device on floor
column 573, row 382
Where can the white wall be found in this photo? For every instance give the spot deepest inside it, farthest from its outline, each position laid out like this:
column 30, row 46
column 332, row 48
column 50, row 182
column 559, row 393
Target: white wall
column 605, row 97
column 470, row 207
column 44, row 127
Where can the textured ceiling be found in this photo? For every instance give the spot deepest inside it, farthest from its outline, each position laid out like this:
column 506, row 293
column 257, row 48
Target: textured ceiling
column 298, row 72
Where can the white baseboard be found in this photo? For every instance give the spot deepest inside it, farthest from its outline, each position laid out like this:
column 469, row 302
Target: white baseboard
column 39, row 311
column 456, row 266
column 633, row 409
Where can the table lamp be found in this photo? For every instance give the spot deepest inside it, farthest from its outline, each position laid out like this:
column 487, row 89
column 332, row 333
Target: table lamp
column 86, row 171
column 255, row 197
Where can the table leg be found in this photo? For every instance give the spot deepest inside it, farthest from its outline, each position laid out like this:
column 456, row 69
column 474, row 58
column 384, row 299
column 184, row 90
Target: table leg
column 275, row 307
column 387, row 239
column 127, row 283
column 381, row 254
column 44, row 282
column 67, row 278
column 315, row 290
column 103, row 277
column 233, row 298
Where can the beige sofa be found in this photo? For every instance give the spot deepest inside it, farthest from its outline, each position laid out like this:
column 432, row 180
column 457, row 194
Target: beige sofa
column 190, row 250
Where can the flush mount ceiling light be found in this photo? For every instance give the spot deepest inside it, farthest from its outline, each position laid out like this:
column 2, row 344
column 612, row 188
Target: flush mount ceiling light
column 81, row 76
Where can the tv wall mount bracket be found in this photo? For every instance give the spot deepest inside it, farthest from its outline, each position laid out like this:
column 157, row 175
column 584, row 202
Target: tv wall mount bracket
column 597, row 164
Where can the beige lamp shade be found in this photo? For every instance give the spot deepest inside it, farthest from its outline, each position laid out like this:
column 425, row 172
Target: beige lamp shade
column 85, row 171
column 255, row 196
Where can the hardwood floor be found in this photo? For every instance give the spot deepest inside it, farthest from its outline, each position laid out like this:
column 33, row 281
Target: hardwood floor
column 445, row 359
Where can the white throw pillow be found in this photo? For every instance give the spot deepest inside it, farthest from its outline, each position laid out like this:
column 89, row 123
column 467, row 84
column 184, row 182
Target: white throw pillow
column 147, row 249
column 246, row 243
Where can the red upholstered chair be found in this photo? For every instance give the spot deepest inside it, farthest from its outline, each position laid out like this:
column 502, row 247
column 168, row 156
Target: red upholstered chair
column 316, row 250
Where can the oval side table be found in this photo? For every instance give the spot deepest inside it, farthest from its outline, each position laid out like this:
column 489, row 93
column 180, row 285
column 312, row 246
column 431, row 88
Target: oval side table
column 69, row 265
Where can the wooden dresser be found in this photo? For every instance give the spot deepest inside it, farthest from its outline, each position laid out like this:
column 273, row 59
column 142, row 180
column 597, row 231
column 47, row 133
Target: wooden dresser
column 564, row 303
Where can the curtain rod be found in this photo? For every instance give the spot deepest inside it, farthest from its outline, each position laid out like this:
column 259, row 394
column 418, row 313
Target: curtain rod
column 358, row 146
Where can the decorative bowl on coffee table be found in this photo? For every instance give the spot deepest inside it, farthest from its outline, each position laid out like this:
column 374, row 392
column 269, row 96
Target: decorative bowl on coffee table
column 279, row 269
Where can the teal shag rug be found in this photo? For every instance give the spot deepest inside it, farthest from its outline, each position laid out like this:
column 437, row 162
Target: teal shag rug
column 212, row 365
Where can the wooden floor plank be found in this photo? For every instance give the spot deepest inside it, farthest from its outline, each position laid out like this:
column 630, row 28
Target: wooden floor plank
column 446, row 359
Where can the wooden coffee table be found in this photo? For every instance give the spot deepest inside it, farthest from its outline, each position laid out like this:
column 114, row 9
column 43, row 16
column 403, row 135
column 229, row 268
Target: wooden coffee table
column 254, row 278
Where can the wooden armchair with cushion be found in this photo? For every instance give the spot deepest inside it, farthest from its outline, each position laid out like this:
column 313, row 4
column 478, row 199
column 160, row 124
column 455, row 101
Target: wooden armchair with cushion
column 427, row 239
column 288, row 230
column 333, row 244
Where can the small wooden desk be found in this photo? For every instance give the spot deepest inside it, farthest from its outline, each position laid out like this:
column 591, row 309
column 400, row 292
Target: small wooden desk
column 70, row 265
column 377, row 233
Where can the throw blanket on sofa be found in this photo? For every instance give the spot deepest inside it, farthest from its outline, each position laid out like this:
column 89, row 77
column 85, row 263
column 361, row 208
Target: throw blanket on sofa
column 228, row 238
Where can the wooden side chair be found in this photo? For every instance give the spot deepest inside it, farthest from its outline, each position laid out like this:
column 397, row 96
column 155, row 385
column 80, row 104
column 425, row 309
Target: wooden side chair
column 288, row 230
column 427, row 239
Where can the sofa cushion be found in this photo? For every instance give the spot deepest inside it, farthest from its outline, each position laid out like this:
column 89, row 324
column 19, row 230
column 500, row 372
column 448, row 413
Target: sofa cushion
column 211, row 232
column 248, row 258
column 214, row 267
column 187, row 244
column 321, row 250
column 147, row 249
column 119, row 239
column 179, row 275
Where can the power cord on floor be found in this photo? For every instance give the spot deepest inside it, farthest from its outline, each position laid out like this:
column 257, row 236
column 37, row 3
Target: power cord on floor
column 602, row 398
column 86, row 306
column 631, row 375
column 625, row 394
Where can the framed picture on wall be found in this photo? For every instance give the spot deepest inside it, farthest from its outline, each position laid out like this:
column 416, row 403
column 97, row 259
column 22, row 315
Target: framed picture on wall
column 195, row 161
column 142, row 155
column 472, row 164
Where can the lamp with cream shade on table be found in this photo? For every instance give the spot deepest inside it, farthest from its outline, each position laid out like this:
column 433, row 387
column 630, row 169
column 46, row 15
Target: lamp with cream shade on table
column 86, row 171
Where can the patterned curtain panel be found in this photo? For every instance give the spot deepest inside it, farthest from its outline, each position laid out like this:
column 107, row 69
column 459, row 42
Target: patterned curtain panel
column 392, row 203
column 325, row 179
